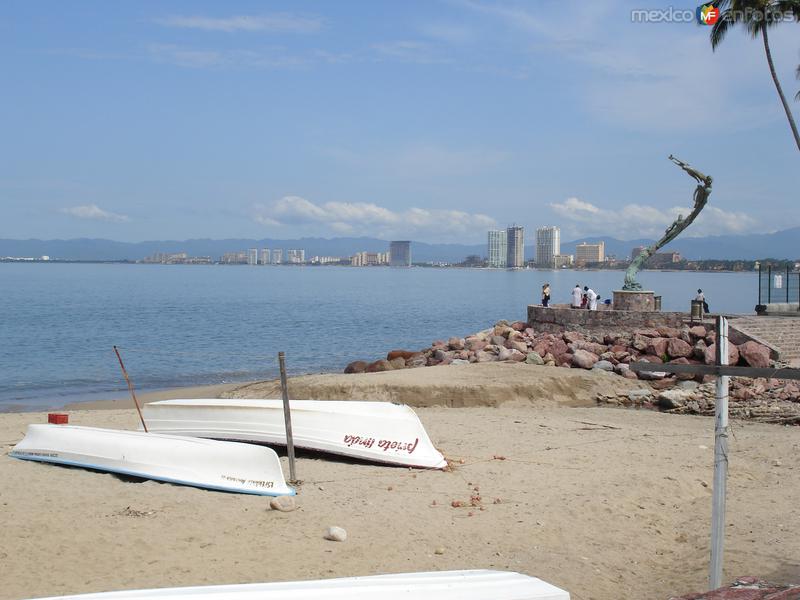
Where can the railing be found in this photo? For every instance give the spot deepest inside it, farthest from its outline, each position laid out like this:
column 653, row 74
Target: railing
column 776, row 285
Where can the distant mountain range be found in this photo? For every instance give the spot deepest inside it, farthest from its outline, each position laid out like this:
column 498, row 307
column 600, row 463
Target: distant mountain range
column 781, row 245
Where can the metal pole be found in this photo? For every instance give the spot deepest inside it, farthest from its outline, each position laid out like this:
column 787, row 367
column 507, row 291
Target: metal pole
column 287, row 416
column 720, row 460
column 759, row 284
column 787, row 284
column 769, row 284
column 130, row 388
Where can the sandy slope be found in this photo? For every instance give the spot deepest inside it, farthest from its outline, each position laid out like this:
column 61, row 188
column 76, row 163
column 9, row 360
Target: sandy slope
column 483, row 384
column 607, row 503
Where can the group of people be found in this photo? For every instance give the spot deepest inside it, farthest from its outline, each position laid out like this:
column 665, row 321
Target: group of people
column 586, row 298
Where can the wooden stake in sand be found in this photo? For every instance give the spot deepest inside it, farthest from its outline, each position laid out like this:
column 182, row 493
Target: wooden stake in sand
column 130, row 388
column 720, row 460
column 287, row 416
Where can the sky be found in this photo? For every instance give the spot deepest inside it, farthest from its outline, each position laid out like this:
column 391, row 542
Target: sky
column 431, row 120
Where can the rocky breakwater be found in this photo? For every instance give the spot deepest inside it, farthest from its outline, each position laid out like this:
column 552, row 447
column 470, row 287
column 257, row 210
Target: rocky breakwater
column 764, row 400
column 517, row 342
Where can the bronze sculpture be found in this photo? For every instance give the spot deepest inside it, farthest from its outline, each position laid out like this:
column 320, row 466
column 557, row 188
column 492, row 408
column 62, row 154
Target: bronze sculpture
column 701, row 194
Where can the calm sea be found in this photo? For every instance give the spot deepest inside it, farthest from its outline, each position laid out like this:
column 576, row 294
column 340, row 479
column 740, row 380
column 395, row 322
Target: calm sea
column 196, row 325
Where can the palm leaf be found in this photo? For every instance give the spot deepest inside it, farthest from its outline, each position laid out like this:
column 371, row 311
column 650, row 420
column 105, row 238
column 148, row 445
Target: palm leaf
column 797, row 96
column 721, row 28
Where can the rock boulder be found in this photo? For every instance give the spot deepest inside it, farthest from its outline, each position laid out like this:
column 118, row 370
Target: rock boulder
column 755, row 354
column 357, row 366
column 584, row 359
column 677, row 348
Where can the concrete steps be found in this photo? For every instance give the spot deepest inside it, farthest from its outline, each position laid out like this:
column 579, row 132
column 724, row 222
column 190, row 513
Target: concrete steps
column 782, row 334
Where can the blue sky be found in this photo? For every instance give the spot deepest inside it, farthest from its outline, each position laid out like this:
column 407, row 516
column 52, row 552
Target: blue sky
column 433, row 120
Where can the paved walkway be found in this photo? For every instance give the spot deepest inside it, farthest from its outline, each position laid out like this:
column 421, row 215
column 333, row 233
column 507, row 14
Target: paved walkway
column 780, row 333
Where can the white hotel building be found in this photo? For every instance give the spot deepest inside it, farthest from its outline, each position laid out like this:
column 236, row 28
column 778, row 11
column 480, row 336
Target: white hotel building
column 548, row 246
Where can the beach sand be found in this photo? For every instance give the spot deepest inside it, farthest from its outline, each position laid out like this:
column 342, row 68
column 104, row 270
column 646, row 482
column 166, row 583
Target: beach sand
column 608, row 504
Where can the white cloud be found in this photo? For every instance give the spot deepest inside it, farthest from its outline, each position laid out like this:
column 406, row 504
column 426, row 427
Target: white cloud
column 364, row 218
column 276, row 23
column 642, row 221
column 447, row 32
column 94, row 212
column 186, row 57
column 205, row 59
column 411, row 51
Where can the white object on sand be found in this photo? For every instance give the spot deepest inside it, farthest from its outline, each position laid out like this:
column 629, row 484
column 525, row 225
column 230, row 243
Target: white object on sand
column 443, row 585
column 208, row 464
column 374, row 431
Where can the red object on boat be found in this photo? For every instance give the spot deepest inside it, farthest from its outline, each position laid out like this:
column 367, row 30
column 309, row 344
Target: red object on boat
column 58, row 418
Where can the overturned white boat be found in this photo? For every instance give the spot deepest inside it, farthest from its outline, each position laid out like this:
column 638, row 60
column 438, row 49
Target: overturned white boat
column 208, row 464
column 373, row 431
column 443, row 585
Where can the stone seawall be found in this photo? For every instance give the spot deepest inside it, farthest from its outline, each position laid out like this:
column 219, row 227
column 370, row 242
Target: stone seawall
column 558, row 319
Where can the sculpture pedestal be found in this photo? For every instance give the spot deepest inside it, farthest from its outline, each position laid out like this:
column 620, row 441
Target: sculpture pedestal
column 634, row 301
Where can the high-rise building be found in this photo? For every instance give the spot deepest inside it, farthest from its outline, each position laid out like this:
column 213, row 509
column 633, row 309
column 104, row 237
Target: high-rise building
column 295, row 256
column 400, row 254
column 548, row 246
column 264, row 258
column 589, row 253
column 498, row 248
column 252, row 256
column 277, row 256
column 515, row 243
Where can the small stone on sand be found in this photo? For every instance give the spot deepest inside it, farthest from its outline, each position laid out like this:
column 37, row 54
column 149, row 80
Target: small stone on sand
column 335, row 534
column 283, row 503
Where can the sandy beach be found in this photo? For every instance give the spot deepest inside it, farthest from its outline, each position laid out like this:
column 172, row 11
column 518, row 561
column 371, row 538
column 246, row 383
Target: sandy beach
column 606, row 503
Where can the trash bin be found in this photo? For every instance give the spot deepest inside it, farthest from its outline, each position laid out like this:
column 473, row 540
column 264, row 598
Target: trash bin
column 657, row 303
column 697, row 310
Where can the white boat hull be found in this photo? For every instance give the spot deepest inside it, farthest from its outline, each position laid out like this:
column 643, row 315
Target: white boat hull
column 373, row 431
column 444, row 585
column 208, row 464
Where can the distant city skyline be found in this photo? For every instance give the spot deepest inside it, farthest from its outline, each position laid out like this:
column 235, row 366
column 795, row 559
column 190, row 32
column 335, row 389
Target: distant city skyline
column 198, row 120
column 782, row 245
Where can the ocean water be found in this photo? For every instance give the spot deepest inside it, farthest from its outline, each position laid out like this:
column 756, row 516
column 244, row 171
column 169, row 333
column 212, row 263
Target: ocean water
column 203, row 324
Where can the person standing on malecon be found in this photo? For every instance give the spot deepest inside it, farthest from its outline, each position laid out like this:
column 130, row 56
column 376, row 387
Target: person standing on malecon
column 576, row 296
column 546, row 295
column 591, row 298
column 701, row 297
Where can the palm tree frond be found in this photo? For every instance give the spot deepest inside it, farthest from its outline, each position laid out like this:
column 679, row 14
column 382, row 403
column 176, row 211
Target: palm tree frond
column 755, row 27
column 788, row 6
column 720, row 29
column 757, row 17
column 797, row 74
